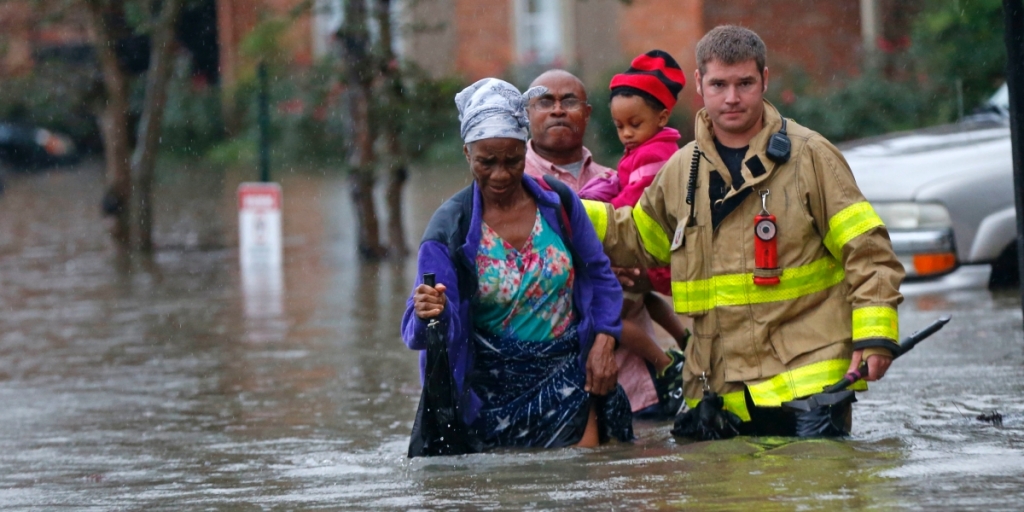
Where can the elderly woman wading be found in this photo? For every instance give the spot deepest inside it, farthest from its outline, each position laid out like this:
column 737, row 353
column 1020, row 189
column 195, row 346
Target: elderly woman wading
column 524, row 292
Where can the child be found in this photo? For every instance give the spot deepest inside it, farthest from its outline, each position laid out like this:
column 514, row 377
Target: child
column 642, row 99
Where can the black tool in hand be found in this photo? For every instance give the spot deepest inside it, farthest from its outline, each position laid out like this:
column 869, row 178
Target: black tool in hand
column 837, row 392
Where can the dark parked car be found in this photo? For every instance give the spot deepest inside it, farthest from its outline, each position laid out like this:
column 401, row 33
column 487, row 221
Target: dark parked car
column 946, row 195
column 24, row 146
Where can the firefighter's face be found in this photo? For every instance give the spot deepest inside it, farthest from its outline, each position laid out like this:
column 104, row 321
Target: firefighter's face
column 497, row 166
column 733, row 95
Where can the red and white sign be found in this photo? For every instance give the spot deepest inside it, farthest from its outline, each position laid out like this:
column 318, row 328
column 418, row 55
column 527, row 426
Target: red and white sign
column 259, row 225
column 260, row 248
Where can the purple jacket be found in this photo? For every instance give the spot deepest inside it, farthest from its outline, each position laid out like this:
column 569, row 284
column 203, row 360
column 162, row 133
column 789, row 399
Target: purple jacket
column 597, row 296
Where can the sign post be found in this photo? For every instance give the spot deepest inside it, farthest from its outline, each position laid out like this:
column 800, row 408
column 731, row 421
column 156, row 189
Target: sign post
column 260, row 248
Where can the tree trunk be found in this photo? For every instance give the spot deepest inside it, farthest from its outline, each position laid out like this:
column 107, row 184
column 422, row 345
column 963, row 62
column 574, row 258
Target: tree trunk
column 398, row 171
column 113, row 123
column 355, row 39
column 396, row 227
column 147, row 147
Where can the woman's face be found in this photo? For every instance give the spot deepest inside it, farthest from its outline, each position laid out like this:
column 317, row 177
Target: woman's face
column 497, row 166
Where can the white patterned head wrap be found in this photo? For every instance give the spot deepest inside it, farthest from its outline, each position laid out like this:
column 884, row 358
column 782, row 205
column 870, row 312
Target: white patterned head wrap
column 493, row 108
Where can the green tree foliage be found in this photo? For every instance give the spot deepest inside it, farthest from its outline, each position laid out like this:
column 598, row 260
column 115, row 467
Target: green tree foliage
column 961, row 39
column 956, row 60
column 864, row 106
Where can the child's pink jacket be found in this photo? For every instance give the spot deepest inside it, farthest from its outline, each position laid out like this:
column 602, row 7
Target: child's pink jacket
column 638, row 167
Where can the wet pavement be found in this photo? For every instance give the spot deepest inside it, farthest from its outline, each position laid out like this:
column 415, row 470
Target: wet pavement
column 131, row 384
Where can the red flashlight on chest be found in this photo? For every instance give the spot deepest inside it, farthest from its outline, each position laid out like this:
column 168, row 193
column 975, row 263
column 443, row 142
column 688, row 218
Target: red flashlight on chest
column 766, row 251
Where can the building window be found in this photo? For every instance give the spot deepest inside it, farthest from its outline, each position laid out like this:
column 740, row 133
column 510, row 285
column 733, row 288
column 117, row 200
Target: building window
column 329, row 15
column 541, row 37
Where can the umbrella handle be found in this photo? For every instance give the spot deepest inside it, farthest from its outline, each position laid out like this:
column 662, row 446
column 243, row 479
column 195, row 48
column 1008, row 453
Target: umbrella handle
column 850, row 378
column 430, row 280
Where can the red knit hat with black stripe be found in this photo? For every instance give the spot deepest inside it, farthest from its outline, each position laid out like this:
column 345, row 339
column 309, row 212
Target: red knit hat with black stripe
column 655, row 73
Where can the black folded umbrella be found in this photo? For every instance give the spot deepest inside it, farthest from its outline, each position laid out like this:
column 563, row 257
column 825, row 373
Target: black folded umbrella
column 438, row 428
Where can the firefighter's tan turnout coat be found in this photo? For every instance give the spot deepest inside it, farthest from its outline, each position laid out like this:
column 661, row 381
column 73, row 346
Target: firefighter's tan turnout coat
column 839, row 279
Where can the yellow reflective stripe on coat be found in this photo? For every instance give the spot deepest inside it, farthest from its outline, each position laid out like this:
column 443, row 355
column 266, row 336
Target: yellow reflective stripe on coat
column 598, row 213
column 734, row 402
column 849, row 223
column 801, row 382
column 655, row 240
column 875, row 322
column 739, row 289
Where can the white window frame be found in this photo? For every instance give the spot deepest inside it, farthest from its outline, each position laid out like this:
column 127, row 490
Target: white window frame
column 329, row 15
column 543, row 36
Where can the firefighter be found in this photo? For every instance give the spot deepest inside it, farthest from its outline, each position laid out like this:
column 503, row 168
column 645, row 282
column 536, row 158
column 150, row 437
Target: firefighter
column 781, row 311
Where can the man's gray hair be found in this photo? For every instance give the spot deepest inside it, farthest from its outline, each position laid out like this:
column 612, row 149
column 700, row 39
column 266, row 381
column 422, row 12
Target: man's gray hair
column 730, row 45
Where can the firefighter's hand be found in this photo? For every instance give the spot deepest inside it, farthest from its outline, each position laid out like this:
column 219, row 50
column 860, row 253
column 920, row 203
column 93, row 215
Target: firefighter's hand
column 429, row 302
column 878, row 364
column 602, row 370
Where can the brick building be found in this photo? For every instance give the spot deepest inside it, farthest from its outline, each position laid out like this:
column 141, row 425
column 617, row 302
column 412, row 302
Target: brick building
column 827, row 39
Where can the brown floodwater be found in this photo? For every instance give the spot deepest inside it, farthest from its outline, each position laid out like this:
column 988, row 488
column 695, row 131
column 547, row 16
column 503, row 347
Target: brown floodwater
column 158, row 384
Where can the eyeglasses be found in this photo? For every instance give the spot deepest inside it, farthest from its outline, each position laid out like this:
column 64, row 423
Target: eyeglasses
column 548, row 104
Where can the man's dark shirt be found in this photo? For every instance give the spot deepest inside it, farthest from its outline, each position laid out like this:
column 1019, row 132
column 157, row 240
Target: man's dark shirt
column 733, row 158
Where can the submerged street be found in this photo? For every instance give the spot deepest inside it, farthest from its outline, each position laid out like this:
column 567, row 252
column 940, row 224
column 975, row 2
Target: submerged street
column 129, row 384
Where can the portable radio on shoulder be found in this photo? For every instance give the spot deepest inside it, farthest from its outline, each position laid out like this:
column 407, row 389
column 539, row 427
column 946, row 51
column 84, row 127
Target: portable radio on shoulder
column 766, row 252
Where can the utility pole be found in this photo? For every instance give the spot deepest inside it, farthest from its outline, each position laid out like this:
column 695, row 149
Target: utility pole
column 264, row 123
column 1013, row 13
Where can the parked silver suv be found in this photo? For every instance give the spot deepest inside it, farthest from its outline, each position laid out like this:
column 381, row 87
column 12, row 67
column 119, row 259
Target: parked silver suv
column 946, row 195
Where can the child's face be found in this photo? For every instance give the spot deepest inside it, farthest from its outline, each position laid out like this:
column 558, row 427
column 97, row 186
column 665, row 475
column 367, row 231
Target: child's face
column 635, row 120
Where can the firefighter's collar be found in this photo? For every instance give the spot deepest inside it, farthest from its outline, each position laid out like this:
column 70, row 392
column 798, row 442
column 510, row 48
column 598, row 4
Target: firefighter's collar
column 757, row 167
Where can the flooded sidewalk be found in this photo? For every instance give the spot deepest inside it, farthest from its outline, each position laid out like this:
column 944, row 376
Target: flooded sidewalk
column 151, row 384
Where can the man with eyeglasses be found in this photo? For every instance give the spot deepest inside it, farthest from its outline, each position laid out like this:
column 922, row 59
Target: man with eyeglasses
column 558, row 121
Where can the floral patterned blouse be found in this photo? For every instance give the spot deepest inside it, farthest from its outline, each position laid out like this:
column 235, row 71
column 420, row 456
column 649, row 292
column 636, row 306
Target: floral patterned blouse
column 524, row 294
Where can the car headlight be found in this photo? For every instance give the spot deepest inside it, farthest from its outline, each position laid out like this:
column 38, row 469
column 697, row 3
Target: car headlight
column 922, row 236
column 897, row 216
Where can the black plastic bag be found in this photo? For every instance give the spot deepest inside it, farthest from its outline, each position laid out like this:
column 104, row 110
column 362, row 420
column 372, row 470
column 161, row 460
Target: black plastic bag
column 830, row 420
column 707, row 421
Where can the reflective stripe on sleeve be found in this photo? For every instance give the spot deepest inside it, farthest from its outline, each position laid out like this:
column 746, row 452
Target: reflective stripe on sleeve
column 598, row 213
column 739, row 289
column 875, row 322
column 849, row 223
column 655, row 240
column 801, row 382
